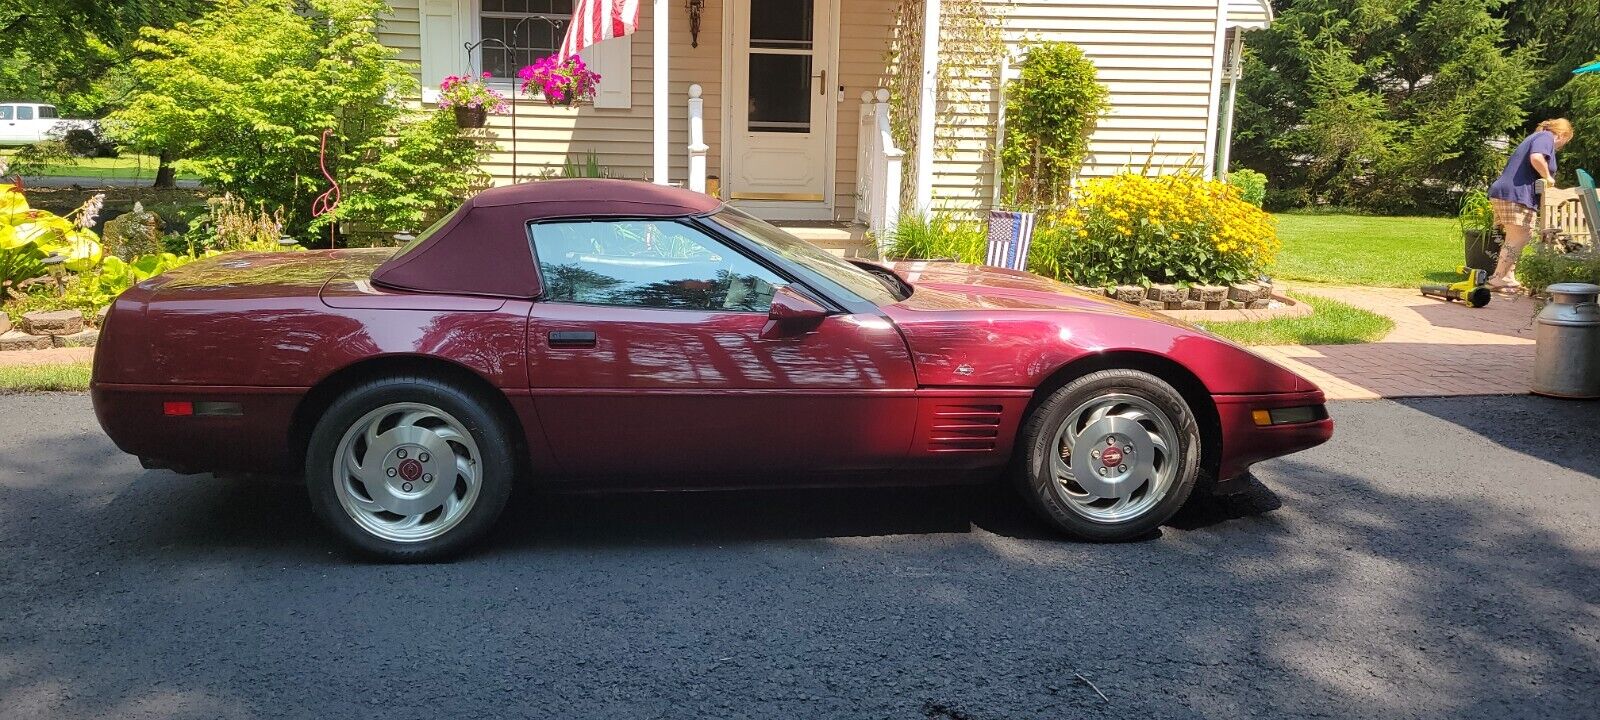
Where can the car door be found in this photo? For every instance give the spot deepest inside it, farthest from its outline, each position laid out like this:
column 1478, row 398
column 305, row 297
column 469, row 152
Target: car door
column 9, row 132
column 647, row 360
column 28, row 126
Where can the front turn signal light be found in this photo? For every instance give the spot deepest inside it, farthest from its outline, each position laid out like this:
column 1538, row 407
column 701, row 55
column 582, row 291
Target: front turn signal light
column 1288, row 416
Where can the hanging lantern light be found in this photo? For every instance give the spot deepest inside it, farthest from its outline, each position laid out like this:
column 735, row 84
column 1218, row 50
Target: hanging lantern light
column 696, row 8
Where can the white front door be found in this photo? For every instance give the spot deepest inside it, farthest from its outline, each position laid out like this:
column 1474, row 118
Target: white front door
column 781, row 97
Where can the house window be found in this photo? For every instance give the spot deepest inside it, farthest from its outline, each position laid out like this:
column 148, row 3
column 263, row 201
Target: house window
column 517, row 32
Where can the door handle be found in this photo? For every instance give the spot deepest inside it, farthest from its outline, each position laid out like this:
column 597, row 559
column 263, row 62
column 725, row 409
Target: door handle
column 822, row 83
column 571, row 338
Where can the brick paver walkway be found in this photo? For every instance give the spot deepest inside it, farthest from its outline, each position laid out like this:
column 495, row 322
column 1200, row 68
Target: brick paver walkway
column 1436, row 348
column 53, row 356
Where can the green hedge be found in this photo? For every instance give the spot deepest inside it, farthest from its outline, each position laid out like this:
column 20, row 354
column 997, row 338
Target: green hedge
column 1540, row 268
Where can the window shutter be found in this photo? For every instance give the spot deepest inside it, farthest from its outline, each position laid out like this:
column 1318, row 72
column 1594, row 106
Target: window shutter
column 445, row 25
column 613, row 59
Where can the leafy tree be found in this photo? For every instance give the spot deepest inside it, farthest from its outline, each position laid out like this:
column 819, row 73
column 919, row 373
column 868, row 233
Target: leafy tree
column 1563, row 33
column 1383, row 104
column 62, row 51
column 243, row 95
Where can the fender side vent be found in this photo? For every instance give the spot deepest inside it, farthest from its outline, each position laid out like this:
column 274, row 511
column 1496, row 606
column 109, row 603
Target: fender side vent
column 964, row 428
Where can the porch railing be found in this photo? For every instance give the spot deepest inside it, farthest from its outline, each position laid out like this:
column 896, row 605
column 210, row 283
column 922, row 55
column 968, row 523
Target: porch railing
column 877, row 169
column 697, row 140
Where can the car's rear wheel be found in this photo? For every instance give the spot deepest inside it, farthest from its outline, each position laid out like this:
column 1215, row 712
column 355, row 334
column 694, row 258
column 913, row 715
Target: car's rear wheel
column 410, row 469
column 1110, row 456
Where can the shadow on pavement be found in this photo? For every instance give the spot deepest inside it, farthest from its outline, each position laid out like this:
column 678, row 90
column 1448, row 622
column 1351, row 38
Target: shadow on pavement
column 1564, row 432
column 1387, row 574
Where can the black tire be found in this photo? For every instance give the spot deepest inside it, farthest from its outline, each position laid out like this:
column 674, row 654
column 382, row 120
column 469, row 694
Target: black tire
column 478, row 415
column 1037, row 483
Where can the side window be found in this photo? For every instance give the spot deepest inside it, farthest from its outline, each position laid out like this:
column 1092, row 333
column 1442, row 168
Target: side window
column 24, row 112
column 47, row 111
column 648, row 263
column 5, row 112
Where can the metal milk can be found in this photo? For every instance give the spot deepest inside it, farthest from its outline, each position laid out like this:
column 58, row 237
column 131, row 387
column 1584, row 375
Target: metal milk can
column 1567, row 358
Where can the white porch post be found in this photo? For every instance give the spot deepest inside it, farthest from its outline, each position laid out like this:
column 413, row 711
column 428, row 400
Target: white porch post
column 1218, row 53
column 927, row 106
column 1225, row 141
column 658, row 92
column 697, row 140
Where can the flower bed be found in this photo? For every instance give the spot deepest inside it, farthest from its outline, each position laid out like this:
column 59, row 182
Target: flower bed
column 1129, row 231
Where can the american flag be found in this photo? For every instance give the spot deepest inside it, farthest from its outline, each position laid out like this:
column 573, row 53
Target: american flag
column 596, row 20
column 1010, row 234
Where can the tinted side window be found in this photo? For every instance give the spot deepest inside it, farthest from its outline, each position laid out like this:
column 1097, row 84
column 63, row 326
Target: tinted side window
column 24, row 112
column 46, row 111
column 648, row 263
column 5, row 112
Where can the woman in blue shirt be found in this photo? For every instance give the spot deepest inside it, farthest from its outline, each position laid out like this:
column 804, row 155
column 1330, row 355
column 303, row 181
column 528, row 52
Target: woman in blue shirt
column 1512, row 195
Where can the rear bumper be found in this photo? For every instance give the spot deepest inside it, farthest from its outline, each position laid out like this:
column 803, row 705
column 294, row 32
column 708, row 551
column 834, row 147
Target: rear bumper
column 255, row 440
column 1245, row 443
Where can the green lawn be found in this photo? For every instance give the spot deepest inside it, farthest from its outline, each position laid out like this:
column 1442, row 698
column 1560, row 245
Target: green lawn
column 1331, row 323
column 127, row 165
column 1367, row 250
column 36, row 378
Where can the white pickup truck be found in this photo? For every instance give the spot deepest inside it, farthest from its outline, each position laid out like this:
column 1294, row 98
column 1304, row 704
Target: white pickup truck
column 28, row 123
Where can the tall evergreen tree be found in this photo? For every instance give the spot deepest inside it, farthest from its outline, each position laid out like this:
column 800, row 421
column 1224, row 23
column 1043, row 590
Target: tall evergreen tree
column 1388, row 105
column 1565, row 35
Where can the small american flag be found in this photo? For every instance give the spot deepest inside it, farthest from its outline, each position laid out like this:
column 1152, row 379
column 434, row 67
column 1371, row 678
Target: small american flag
column 596, row 20
column 1010, row 233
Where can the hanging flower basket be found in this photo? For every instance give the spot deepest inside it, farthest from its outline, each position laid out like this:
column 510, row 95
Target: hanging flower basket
column 562, row 82
column 471, row 100
column 471, row 117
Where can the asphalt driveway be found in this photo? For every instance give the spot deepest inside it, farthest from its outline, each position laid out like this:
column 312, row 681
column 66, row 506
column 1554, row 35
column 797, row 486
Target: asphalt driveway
column 1441, row 558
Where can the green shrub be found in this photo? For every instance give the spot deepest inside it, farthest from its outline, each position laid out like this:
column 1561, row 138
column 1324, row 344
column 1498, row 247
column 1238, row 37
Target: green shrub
column 385, row 193
column 242, row 96
column 1476, row 212
column 1180, row 228
column 586, row 165
column 1051, row 110
column 1252, row 185
column 41, row 157
column 1539, row 268
column 938, row 237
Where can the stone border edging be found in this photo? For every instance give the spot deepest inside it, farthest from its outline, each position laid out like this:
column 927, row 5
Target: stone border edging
column 1290, row 308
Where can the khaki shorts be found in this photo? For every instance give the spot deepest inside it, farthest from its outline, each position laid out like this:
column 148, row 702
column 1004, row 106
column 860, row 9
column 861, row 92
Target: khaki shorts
column 1508, row 213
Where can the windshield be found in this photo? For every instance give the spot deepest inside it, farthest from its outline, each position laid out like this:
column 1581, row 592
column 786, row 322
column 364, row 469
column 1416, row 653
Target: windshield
column 882, row 290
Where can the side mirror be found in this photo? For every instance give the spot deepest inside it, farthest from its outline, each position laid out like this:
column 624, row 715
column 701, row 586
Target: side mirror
column 792, row 314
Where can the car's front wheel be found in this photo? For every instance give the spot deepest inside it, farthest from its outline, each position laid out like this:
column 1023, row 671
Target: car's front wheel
column 1110, row 456
column 410, row 469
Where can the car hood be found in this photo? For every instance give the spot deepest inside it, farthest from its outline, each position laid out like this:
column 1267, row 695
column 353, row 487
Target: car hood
column 961, row 286
column 968, row 325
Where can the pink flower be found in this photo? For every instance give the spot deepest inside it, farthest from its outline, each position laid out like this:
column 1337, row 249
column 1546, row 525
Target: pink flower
column 560, row 80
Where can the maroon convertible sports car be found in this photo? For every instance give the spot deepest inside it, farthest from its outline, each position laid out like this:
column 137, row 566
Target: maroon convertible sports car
column 597, row 333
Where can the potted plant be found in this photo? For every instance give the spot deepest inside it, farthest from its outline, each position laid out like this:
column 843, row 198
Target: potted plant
column 562, row 82
column 471, row 99
column 1478, row 231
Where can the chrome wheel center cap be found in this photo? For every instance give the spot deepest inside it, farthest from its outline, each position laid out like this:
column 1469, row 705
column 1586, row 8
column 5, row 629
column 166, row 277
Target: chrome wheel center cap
column 1112, row 457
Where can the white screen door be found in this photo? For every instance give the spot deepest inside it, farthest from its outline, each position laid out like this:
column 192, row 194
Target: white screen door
column 781, row 97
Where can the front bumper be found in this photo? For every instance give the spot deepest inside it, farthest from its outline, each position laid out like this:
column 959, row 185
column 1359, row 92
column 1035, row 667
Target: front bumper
column 1245, row 443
